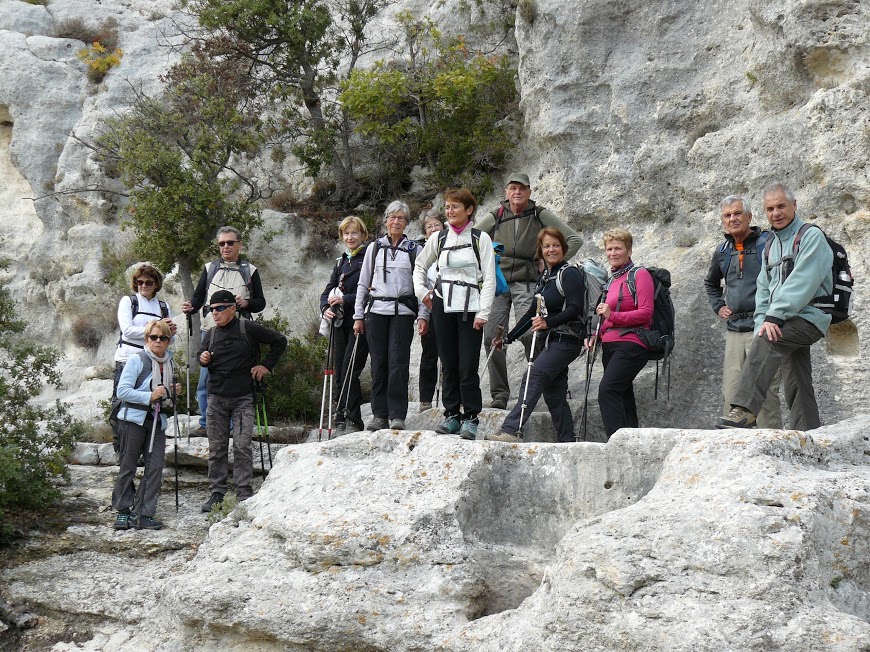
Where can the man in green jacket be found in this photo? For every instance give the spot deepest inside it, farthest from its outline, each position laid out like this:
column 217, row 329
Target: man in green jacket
column 787, row 323
column 515, row 224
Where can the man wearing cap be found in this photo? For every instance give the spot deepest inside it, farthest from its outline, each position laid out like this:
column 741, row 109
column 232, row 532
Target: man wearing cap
column 230, row 351
column 237, row 276
column 515, row 224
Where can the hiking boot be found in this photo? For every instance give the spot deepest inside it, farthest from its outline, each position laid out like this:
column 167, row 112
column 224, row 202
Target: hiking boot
column 146, row 523
column 738, row 417
column 469, row 429
column 397, row 424
column 199, row 432
column 216, row 499
column 356, row 426
column 508, row 437
column 498, row 404
column 377, row 423
column 450, row 426
column 122, row 521
column 340, row 428
column 425, row 405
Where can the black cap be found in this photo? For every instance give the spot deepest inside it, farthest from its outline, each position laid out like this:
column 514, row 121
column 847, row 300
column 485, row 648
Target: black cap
column 222, row 296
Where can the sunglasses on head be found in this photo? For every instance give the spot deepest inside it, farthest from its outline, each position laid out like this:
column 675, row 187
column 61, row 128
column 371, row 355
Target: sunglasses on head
column 159, row 338
column 228, row 243
column 221, row 308
column 144, row 282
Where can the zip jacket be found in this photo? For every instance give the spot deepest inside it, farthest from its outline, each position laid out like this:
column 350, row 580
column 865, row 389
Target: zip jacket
column 624, row 312
column 461, row 284
column 562, row 311
column 386, row 285
column 519, row 235
column 136, row 396
column 741, row 273
column 777, row 300
column 345, row 276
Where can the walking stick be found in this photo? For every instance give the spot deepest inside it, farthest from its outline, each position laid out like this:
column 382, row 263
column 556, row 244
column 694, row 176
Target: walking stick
column 177, row 435
column 262, row 386
column 187, row 393
column 257, row 419
column 499, row 331
column 538, row 313
column 341, row 413
column 148, row 459
column 328, row 372
column 438, row 371
column 590, row 363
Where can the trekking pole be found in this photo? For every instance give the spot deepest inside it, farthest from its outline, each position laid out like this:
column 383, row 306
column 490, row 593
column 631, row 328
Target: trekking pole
column 437, row 382
column 540, row 302
column 177, row 435
column 327, row 374
column 265, row 421
column 257, row 420
column 148, row 459
column 346, row 382
column 499, row 332
column 590, row 363
column 187, row 393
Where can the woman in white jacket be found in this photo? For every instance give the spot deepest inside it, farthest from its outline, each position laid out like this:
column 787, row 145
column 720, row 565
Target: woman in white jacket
column 460, row 303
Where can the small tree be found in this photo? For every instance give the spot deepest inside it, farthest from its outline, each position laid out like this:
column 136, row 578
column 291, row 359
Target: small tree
column 34, row 441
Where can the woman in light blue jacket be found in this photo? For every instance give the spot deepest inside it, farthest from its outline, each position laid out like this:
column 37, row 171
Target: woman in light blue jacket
column 143, row 383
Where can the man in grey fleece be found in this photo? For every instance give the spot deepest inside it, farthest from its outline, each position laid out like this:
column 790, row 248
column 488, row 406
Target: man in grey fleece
column 515, row 224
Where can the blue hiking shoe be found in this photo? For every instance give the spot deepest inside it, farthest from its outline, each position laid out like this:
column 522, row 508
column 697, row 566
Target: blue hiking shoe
column 450, row 426
column 469, row 429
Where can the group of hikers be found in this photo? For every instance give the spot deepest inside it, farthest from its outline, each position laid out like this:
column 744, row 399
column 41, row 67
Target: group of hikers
column 456, row 286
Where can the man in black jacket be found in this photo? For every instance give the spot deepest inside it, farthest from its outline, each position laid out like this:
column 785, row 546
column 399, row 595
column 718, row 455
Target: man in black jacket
column 230, row 351
column 737, row 262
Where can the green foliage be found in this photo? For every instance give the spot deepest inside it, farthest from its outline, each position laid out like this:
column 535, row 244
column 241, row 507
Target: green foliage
column 114, row 263
column 100, row 60
column 34, row 441
column 178, row 155
column 441, row 105
column 294, row 386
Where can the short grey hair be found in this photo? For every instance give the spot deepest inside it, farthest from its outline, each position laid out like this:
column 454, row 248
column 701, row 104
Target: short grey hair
column 229, row 229
column 730, row 199
column 776, row 187
column 431, row 214
column 395, row 207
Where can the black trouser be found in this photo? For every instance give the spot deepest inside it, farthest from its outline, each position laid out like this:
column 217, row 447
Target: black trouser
column 459, row 351
column 549, row 377
column 135, row 440
column 429, row 364
column 343, row 340
column 389, row 338
column 622, row 363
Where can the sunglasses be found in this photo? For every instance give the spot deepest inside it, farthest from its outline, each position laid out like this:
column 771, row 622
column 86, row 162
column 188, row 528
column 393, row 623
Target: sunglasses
column 222, row 308
column 145, row 284
column 159, row 338
column 228, row 243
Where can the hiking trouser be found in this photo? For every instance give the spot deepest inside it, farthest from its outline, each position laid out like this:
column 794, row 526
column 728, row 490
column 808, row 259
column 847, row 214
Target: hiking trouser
column 736, row 348
column 549, row 378
column 134, row 442
column 622, row 363
column 221, row 411
column 459, row 352
column 343, row 340
column 429, row 364
column 792, row 353
column 389, row 338
column 519, row 296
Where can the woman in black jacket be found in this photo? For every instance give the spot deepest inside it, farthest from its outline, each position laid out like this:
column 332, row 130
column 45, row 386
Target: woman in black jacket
column 337, row 305
column 564, row 292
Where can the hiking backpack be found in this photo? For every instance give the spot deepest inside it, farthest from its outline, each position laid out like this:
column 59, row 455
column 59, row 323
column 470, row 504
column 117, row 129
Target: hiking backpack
column 501, row 285
column 760, row 246
column 244, row 271
column 838, row 304
column 134, row 307
column 117, row 404
column 594, row 281
column 409, row 300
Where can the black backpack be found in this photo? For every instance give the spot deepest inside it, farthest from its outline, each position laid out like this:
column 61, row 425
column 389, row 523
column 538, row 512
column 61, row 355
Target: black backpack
column 838, row 304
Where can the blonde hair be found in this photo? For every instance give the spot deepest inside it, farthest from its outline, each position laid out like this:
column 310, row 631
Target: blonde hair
column 161, row 325
column 353, row 220
column 621, row 235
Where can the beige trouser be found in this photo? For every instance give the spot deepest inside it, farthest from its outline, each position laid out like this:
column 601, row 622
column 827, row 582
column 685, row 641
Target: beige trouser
column 736, row 347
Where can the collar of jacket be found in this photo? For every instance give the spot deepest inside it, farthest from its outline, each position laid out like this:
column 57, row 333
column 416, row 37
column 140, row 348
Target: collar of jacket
column 754, row 232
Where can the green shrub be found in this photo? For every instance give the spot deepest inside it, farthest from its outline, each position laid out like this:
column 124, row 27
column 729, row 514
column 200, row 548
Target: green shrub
column 294, row 386
column 34, row 441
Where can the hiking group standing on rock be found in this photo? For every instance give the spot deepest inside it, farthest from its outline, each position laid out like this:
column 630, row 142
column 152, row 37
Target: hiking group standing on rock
column 456, row 286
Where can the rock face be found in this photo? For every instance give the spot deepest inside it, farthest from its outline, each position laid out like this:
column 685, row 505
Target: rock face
column 400, row 541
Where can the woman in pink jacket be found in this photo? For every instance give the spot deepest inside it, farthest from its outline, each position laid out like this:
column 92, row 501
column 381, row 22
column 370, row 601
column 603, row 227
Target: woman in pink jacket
column 627, row 307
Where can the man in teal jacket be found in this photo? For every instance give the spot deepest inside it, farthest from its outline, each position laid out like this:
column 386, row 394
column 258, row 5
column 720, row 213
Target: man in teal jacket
column 786, row 322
